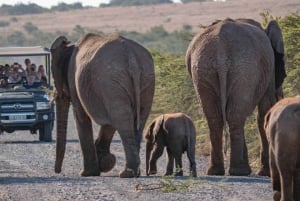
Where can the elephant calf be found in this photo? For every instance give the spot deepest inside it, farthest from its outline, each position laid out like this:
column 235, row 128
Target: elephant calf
column 177, row 133
column 283, row 130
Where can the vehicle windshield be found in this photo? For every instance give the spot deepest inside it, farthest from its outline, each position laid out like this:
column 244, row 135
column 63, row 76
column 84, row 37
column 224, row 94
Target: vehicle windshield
column 24, row 67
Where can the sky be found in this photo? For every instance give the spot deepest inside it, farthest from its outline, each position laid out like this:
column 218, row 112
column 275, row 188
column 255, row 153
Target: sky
column 49, row 3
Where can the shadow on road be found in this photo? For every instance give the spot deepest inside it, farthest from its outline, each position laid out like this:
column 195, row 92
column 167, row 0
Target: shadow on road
column 25, row 142
column 39, row 142
column 223, row 179
column 36, row 180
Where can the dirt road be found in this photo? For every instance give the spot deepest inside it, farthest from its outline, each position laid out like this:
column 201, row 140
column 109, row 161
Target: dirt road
column 27, row 173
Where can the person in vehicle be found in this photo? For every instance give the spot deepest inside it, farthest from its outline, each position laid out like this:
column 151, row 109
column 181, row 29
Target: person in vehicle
column 27, row 65
column 16, row 75
column 33, row 77
column 42, row 75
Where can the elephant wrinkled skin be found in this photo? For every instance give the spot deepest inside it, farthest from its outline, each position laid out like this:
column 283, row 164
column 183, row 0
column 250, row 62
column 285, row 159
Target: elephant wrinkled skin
column 177, row 133
column 235, row 66
column 109, row 80
column 282, row 124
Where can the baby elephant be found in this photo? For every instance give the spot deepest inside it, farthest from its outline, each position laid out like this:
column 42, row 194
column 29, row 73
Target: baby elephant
column 177, row 133
column 282, row 124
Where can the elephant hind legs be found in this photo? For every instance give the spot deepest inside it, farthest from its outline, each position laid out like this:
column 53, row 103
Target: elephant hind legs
column 297, row 185
column 131, row 148
column 106, row 159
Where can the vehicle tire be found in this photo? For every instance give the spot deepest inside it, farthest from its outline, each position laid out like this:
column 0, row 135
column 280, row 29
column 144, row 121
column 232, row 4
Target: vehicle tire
column 45, row 132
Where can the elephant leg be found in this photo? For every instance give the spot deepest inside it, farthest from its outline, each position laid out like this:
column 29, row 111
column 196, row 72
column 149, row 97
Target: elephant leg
column 106, row 160
column 178, row 163
column 193, row 170
column 170, row 165
column 156, row 153
column 147, row 92
column 212, row 110
column 264, row 105
column 297, row 185
column 85, row 132
column 239, row 163
column 131, row 154
column 122, row 117
column 264, row 157
column 286, row 161
column 275, row 177
column 286, row 184
column 216, row 153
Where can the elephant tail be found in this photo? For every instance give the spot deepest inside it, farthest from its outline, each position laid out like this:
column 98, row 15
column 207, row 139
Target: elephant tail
column 223, row 94
column 191, row 142
column 136, row 78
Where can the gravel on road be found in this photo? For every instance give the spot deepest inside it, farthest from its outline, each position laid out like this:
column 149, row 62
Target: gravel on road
column 27, row 174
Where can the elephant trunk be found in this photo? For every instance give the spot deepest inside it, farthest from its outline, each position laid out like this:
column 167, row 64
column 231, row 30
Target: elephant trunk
column 148, row 152
column 62, row 111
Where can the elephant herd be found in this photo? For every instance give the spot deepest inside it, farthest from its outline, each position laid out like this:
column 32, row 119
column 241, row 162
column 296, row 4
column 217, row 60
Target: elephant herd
column 235, row 65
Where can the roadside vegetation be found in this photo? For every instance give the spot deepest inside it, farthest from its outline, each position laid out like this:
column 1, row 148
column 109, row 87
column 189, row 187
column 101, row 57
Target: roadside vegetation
column 174, row 89
column 32, row 8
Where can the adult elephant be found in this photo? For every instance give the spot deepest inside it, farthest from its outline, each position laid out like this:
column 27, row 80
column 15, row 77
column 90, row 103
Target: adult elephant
column 109, row 80
column 235, row 66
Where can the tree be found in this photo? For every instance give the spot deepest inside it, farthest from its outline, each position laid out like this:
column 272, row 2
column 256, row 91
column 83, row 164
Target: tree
column 66, row 7
column 136, row 2
column 188, row 1
column 21, row 9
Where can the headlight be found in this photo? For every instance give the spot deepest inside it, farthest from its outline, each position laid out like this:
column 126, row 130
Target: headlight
column 46, row 96
column 42, row 105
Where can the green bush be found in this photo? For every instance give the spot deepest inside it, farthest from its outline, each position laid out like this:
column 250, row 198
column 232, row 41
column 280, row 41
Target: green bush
column 4, row 24
column 21, row 9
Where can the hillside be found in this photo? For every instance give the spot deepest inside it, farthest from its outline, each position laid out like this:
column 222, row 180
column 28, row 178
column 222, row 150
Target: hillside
column 170, row 16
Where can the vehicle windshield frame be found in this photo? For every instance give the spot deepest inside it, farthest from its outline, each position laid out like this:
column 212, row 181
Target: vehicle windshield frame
column 29, row 52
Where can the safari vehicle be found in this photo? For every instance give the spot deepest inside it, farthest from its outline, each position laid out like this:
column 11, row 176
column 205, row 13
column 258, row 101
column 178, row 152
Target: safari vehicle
column 21, row 107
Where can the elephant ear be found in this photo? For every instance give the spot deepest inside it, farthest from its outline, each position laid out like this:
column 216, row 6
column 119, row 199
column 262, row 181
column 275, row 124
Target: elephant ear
column 148, row 134
column 154, row 128
column 266, row 122
column 274, row 33
column 158, row 124
column 59, row 42
column 60, row 53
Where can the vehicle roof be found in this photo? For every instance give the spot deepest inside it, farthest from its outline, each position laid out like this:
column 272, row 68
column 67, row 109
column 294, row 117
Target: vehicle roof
column 24, row 51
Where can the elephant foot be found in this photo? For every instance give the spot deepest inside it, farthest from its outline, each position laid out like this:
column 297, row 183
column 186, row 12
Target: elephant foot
column 276, row 196
column 169, row 173
column 213, row 170
column 153, row 169
column 264, row 172
column 106, row 161
column 151, row 172
column 179, row 174
column 130, row 173
column 193, row 173
column 241, row 171
column 90, row 173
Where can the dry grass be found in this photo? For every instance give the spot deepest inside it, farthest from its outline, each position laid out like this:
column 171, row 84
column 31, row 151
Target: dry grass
column 170, row 16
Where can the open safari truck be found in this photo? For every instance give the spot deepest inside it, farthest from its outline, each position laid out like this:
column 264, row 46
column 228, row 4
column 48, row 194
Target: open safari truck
column 23, row 107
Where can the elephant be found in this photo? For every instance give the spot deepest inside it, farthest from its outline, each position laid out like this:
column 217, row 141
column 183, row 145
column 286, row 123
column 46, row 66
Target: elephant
column 282, row 125
column 110, row 81
column 177, row 133
column 236, row 65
